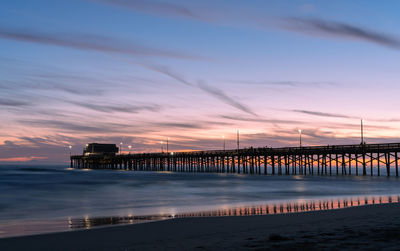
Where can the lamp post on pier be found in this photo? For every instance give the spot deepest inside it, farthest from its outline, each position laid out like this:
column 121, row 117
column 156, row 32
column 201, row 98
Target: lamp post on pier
column 237, row 140
column 167, row 144
column 362, row 131
column 300, row 136
column 223, row 137
column 162, row 147
column 130, row 147
column 120, row 148
column 70, row 154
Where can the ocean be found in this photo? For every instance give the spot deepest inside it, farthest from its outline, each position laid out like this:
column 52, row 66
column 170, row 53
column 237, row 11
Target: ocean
column 41, row 199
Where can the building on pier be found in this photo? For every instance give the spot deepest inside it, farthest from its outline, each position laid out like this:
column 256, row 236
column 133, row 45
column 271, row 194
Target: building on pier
column 96, row 149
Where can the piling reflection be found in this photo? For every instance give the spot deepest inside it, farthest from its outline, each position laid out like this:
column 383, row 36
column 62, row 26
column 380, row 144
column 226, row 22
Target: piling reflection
column 267, row 209
column 115, row 220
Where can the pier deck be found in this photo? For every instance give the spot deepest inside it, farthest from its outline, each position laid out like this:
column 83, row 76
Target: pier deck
column 360, row 159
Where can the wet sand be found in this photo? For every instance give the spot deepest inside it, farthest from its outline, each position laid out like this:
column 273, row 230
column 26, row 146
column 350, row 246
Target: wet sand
column 369, row 227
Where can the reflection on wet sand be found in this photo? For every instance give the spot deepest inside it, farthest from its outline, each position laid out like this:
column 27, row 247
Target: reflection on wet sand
column 273, row 208
column 114, row 220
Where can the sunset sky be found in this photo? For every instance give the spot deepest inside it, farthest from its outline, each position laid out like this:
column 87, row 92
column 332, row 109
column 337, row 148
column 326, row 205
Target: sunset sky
column 139, row 71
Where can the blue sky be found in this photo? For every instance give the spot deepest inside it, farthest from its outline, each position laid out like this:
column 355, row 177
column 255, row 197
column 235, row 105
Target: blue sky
column 140, row 71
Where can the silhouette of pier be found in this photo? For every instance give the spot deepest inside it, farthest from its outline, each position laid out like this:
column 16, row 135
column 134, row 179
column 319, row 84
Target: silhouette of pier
column 359, row 159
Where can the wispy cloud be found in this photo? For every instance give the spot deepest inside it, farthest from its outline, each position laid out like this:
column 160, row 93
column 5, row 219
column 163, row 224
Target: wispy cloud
column 198, row 124
column 211, row 90
column 319, row 27
column 75, row 127
column 179, row 125
column 13, row 102
column 89, row 42
column 223, row 97
column 260, row 120
column 308, row 26
column 22, row 159
column 119, row 108
column 168, row 72
column 286, row 83
column 39, row 84
column 324, row 114
column 150, row 6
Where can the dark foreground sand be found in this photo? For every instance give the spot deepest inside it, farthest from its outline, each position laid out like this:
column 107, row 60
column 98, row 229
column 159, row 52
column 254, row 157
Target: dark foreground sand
column 374, row 227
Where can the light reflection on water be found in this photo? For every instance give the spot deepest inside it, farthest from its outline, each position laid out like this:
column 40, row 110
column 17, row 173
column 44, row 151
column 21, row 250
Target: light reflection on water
column 267, row 209
column 38, row 199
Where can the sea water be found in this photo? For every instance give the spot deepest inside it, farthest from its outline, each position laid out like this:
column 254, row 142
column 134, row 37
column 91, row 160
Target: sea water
column 37, row 199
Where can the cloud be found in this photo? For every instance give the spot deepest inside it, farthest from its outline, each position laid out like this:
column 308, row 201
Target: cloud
column 79, row 127
column 191, row 125
column 211, row 90
column 324, row 114
column 180, row 125
column 226, row 16
column 13, row 103
column 321, row 27
column 149, row 6
column 168, row 72
column 261, row 120
column 119, row 108
column 286, row 83
column 89, row 42
column 22, row 159
column 39, row 84
column 75, row 127
column 356, row 126
column 223, row 97
column 71, row 83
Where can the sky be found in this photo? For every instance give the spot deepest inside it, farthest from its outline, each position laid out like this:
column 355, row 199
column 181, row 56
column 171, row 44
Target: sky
column 141, row 71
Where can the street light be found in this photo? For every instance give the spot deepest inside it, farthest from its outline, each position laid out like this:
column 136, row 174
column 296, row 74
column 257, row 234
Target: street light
column 237, row 140
column 120, row 148
column 167, row 144
column 300, row 136
column 70, row 151
column 223, row 136
column 130, row 147
column 162, row 147
column 362, row 131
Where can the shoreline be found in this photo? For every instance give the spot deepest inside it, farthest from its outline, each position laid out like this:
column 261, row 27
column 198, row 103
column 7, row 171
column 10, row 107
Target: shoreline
column 372, row 226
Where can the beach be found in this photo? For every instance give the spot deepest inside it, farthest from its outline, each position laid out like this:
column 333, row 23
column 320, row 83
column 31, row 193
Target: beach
column 368, row 227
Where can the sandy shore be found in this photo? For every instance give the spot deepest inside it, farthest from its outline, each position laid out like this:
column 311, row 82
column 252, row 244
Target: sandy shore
column 367, row 227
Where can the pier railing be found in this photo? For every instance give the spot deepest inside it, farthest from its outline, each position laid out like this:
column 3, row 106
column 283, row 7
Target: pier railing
column 359, row 159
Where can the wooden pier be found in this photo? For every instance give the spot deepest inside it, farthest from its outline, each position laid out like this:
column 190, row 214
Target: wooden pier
column 360, row 159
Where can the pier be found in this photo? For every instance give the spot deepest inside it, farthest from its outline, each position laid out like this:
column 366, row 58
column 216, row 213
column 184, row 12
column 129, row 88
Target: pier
column 359, row 159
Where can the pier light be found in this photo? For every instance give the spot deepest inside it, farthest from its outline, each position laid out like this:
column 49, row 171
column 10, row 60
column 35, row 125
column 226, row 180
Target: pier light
column 130, row 147
column 70, row 150
column 167, row 143
column 300, row 131
column 162, row 146
column 120, row 148
column 172, row 153
column 237, row 139
column 223, row 137
column 362, row 131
